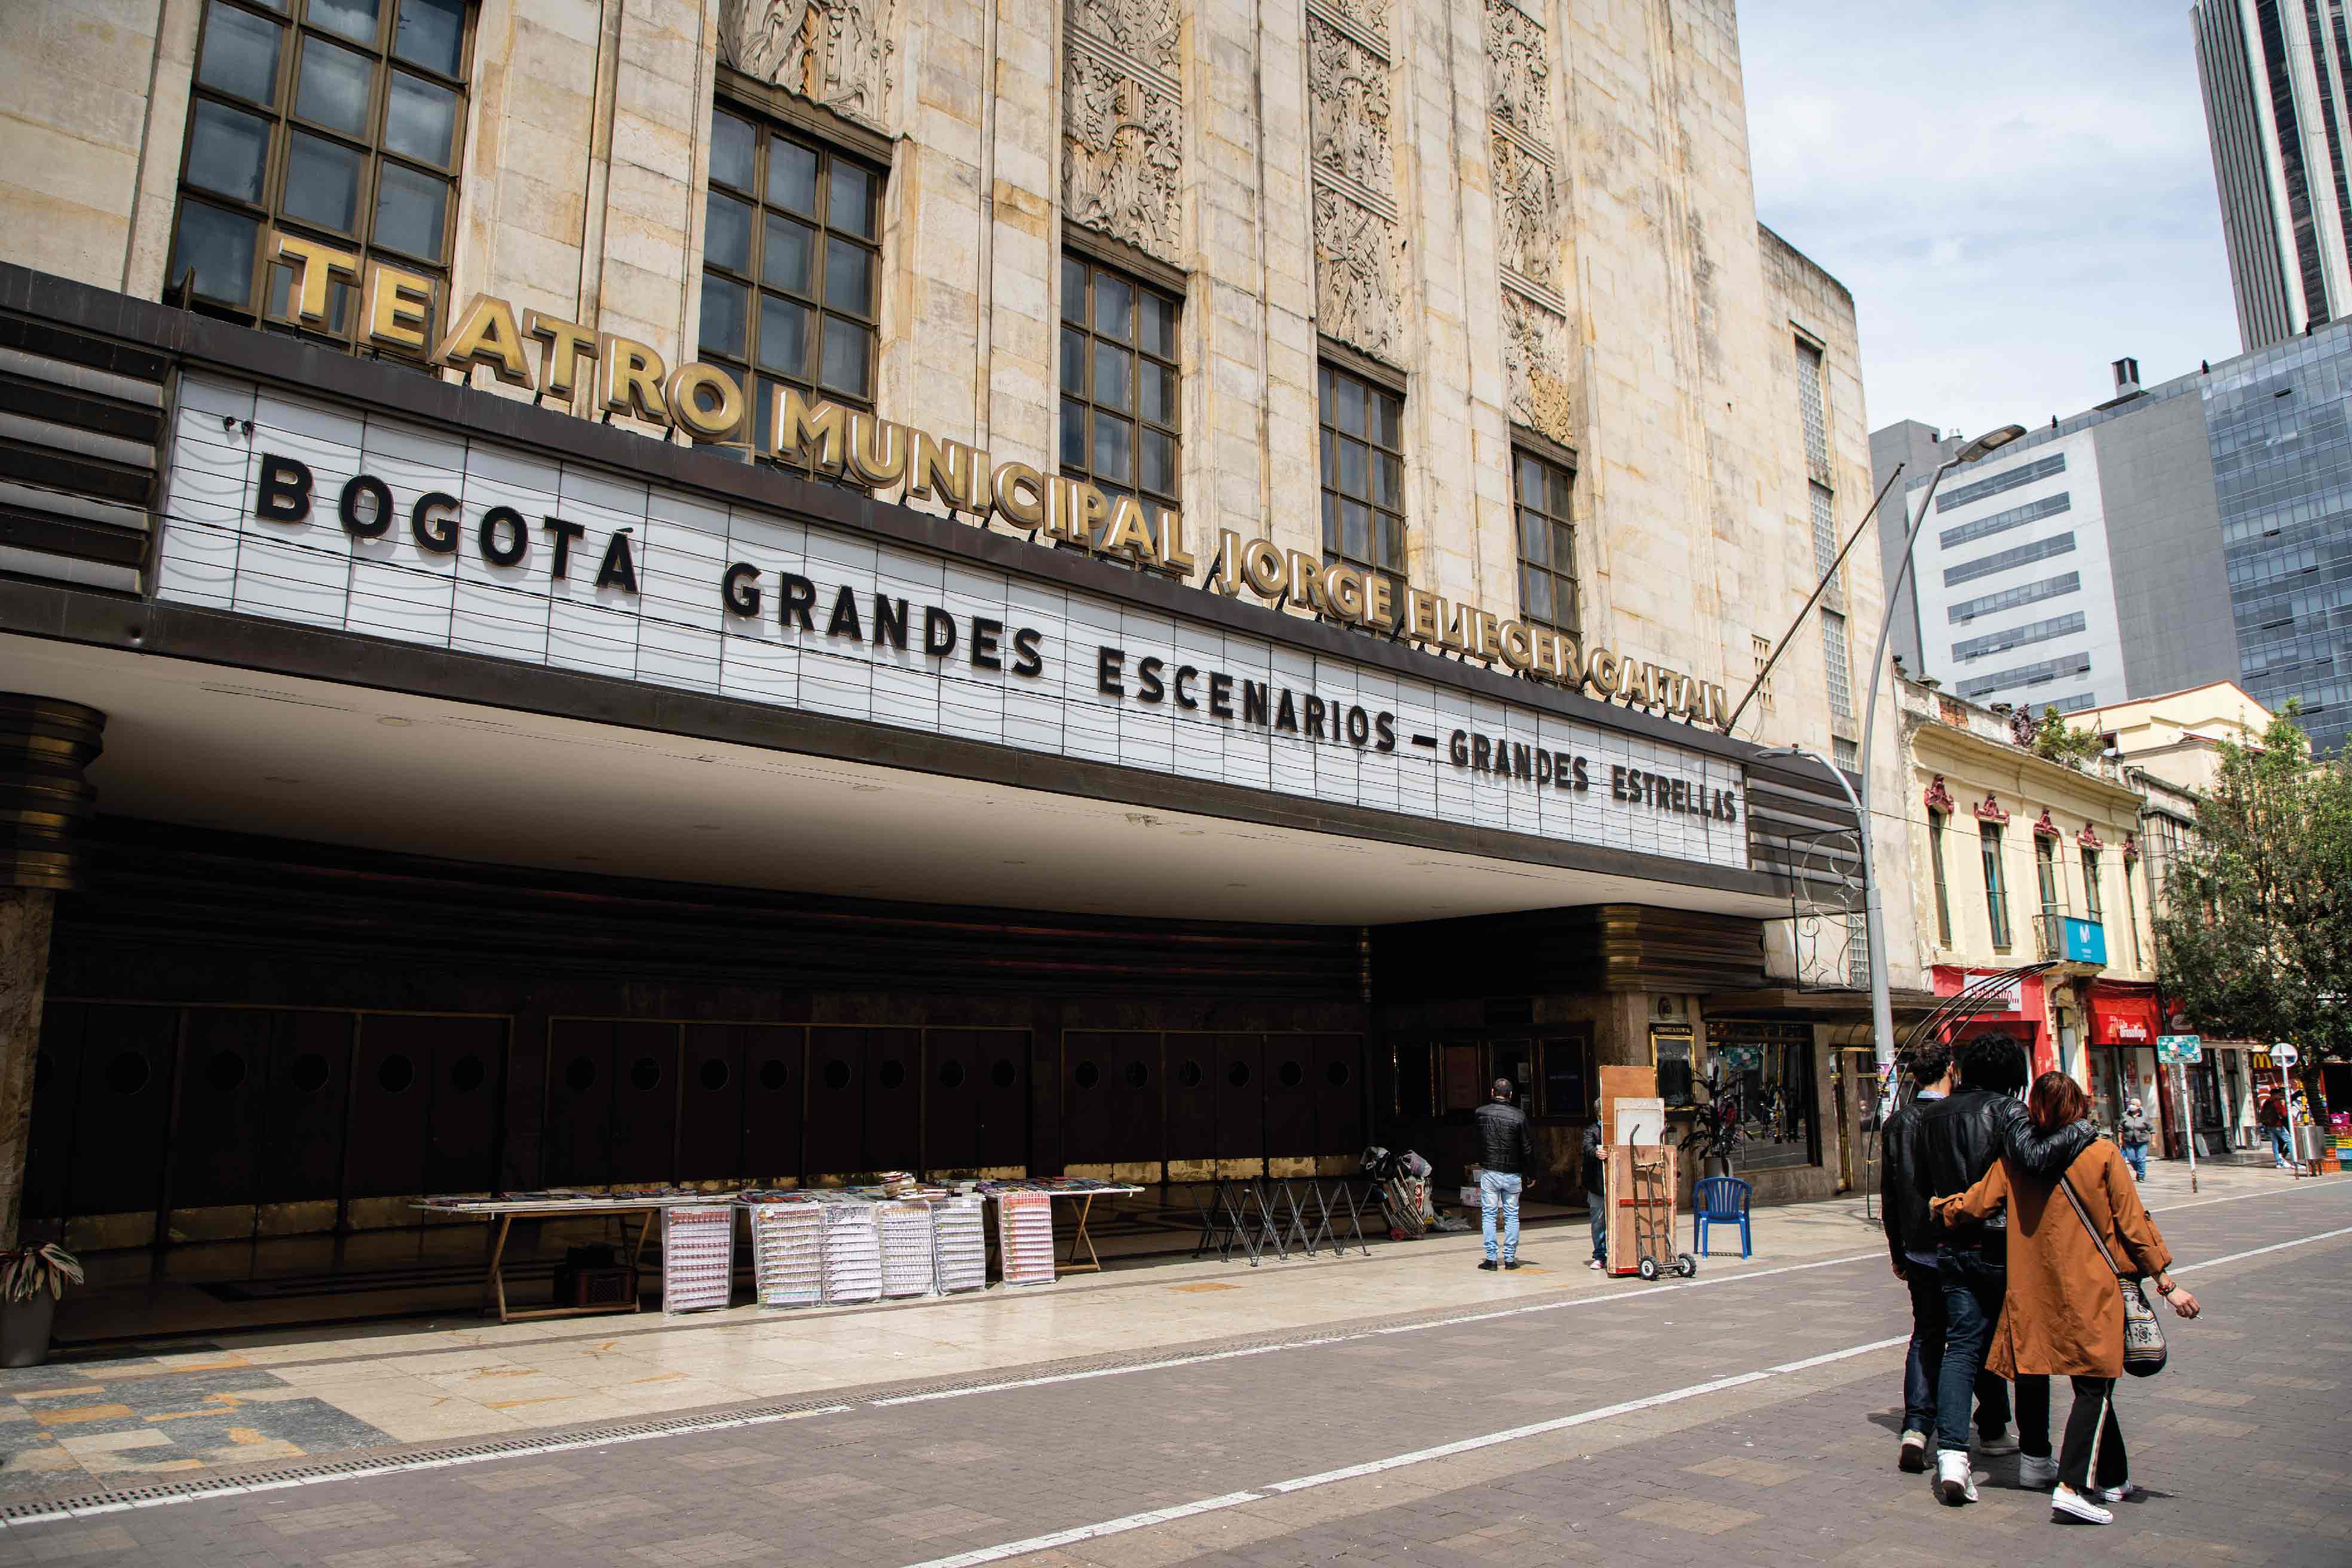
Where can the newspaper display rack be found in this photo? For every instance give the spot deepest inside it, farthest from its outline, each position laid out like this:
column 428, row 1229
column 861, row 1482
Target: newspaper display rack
column 698, row 1257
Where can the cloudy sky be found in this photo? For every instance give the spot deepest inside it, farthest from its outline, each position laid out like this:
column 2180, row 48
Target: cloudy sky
column 2017, row 192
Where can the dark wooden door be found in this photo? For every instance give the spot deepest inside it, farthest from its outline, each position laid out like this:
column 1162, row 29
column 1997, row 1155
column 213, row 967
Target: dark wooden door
column 125, row 1114
column 579, row 1103
column 894, row 1100
column 1241, row 1097
column 56, row 1098
column 390, row 1104
column 216, row 1138
column 775, row 1061
column 1190, row 1062
column 469, row 1061
column 1337, row 1065
column 951, row 1100
column 645, row 1103
column 309, row 1098
column 710, row 1104
column 834, row 1139
column 1290, row 1096
column 1000, row 1063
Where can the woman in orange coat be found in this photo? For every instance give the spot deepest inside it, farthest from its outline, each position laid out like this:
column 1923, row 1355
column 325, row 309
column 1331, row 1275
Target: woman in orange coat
column 2064, row 1312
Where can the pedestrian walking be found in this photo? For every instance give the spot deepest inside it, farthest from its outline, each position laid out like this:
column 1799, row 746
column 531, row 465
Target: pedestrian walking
column 2132, row 1136
column 2272, row 1121
column 1958, row 1139
column 2063, row 1313
column 1596, row 1194
column 1508, row 1155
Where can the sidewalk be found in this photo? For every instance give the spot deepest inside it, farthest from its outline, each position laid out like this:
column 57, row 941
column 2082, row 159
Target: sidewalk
column 278, row 1395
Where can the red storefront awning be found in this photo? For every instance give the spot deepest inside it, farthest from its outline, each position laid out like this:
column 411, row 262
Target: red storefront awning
column 2123, row 1015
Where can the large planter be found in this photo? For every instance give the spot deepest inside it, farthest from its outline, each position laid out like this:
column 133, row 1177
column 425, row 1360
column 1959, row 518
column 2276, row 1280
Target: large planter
column 1714, row 1165
column 24, row 1329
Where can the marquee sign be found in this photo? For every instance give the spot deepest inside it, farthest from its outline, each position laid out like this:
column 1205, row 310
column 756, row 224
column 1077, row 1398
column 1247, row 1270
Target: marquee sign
column 545, row 354
column 301, row 510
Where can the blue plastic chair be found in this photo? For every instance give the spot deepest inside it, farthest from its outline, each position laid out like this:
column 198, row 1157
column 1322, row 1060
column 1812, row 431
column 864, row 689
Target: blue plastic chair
column 1721, row 1200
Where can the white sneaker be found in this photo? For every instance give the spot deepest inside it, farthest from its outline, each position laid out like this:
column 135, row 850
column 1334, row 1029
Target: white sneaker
column 1955, row 1482
column 2119, row 1493
column 1912, row 1458
column 2036, row 1474
column 1999, row 1443
column 2065, row 1499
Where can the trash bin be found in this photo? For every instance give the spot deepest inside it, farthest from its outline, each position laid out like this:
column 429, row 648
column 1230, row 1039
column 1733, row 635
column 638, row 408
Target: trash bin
column 2311, row 1142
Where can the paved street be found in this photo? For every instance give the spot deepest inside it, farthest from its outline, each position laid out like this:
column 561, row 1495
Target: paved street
column 1749, row 1417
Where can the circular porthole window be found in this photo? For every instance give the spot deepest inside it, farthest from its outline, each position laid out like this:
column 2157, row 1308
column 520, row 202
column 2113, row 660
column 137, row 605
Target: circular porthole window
column 127, row 1073
column 644, row 1075
column 395, row 1074
column 773, row 1075
column 1238, row 1075
column 1004, row 1075
column 712, row 1074
column 951, row 1075
column 1138, row 1075
column 836, row 1076
column 1189, row 1076
column 891, row 1075
column 308, row 1073
column 466, row 1074
column 580, row 1076
column 1338, row 1074
column 1291, row 1074
column 225, row 1071
column 1087, row 1075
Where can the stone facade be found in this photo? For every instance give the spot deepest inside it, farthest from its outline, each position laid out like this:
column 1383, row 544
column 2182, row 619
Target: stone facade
column 1538, row 216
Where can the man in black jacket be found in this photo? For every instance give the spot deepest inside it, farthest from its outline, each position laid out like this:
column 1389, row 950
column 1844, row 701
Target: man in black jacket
column 1596, row 1191
column 1956, row 1141
column 1912, row 1237
column 1508, row 1156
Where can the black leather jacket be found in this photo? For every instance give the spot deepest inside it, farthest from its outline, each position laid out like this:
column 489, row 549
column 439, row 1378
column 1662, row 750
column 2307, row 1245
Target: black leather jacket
column 1504, row 1146
column 1938, row 1148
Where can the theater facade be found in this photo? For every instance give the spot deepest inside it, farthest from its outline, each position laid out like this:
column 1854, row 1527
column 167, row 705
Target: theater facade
column 1088, row 671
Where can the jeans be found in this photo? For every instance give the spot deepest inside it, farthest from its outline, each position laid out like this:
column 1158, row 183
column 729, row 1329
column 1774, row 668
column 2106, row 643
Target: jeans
column 2135, row 1156
column 1597, row 1205
column 1972, row 1291
column 1498, row 1189
column 2095, row 1445
column 1923, row 1367
column 2279, row 1150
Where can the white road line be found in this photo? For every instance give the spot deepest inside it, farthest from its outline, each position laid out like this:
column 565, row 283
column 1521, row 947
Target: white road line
column 1011, row 1549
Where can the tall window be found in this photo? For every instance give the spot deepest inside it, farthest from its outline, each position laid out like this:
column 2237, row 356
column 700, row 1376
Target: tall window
column 2045, row 871
column 2094, row 903
column 1835, row 666
column 790, row 251
column 2131, row 915
column 1363, row 473
column 1118, row 383
column 1763, row 651
column 1936, row 822
column 1996, row 885
column 1547, row 543
column 341, row 121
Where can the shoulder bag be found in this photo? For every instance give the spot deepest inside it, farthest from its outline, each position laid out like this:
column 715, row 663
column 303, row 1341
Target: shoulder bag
column 2145, row 1352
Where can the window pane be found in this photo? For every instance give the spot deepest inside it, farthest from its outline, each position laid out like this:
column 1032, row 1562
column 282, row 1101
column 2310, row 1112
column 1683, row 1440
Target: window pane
column 420, row 120
column 724, row 305
column 218, row 247
column 1074, row 434
column 1391, row 551
column 1331, row 523
column 1074, row 289
column 410, row 209
column 1530, row 481
column 1563, row 549
column 1535, row 592
column 1535, row 538
column 1387, row 413
column 1158, row 401
column 430, row 33
column 1351, row 469
column 1114, row 455
column 730, row 151
column 846, row 344
column 334, row 90
column 351, row 19
column 727, row 233
column 1350, row 415
column 1387, row 477
column 850, row 203
column 340, row 294
column 791, row 175
column 1158, row 453
column 323, row 183
column 1114, row 305
column 787, row 259
column 783, row 336
column 1114, row 368
column 226, row 151
column 240, row 54
column 1159, row 325
column 848, row 276
column 1330, row 459
column 1355, row 530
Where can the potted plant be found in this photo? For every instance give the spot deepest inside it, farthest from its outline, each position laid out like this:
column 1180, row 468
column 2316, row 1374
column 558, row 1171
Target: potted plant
column 32, row 1278
column 1715, row 1134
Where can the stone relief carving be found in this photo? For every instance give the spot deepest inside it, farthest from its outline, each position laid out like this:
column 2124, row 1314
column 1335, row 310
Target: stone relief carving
column 1144, row 30
column 1121, row 153
column 1349, row 99
column 1356, row 274
column 1535, row 359
column 833, row 52
column 1518, row 68
column 1371, row 16
column 1526, row 231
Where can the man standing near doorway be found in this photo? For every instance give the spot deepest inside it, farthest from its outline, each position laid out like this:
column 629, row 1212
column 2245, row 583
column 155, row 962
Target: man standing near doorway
column 2273, row 1120
column 1596, row 1191
column 1506, row 1154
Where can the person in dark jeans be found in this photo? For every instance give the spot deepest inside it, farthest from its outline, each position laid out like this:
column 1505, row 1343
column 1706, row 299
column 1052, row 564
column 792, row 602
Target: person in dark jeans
column 1596, row 1194
column 1912, row 1237
column 1508, row 1156
column 1956, row 1141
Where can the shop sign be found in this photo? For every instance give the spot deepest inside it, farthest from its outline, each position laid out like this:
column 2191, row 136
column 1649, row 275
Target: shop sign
column 551, row 357
column 2183, row 1050
column 2010, row 997
column 2285, row 1055
column 281, row 506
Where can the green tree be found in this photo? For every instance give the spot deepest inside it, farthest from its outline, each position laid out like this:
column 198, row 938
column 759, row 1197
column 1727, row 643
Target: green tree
column 2054, row 741
column 2255, row 938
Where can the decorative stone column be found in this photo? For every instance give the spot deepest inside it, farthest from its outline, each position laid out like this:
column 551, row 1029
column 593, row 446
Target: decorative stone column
column 46, row 747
